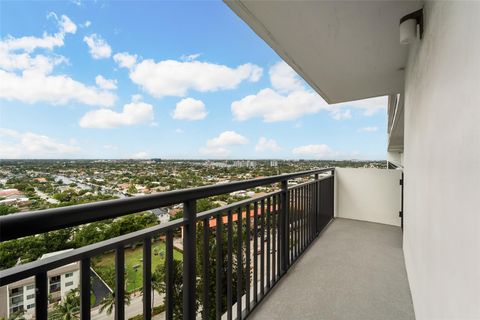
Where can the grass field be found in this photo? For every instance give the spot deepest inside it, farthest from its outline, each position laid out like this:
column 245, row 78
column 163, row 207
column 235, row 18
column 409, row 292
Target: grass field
column 134, row 262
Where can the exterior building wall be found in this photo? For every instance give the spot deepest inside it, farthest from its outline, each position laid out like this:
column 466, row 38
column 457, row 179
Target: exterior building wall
column 395, row 158
column 368, row 194
column 442, row 163
column 67, row 283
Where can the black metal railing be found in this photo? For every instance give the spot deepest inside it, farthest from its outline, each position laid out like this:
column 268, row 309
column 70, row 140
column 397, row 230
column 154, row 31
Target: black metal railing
column 232, row 255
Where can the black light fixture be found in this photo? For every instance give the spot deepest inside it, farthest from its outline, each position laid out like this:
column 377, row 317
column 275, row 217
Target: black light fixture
column 408, row 27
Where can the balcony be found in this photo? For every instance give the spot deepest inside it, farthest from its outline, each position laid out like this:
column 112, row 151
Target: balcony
column 285, row 243
column 353, row 270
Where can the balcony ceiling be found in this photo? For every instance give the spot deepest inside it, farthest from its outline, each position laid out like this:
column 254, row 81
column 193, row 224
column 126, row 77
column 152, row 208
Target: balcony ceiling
column 345, row 50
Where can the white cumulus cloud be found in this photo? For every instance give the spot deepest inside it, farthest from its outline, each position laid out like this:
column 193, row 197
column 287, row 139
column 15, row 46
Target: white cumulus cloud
column 125, row 60
column 273, row 106
column 30, row 43
column 98, row 47
column 266, row 145
column 289, row 99
column 14, row 145
column 227, row 138
column 219, row 146
column 16, row 53
column 189, row 109
column 133, row 113
column 66, row 25
column 27, row 77
column 284, row 78
column 106, row 84
column 176, row 78
column 314, row 151
column 33, row 87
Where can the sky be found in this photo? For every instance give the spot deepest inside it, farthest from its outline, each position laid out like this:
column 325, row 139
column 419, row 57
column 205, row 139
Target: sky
column 172, row 80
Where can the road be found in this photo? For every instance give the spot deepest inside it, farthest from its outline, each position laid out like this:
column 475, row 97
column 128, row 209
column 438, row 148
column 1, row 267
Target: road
column 134, row 308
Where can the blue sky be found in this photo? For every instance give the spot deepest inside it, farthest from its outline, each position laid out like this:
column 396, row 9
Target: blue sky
column 143, row 79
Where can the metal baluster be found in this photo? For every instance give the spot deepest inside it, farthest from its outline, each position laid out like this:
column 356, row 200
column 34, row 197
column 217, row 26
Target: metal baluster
column 268, row 241
column 147, row 278
column 206, row 282
column 189, row 259
column 297, row 222
column 274, row 236
column 169, row 275
column 305, row 221
column 219, row 268
column 291, row 230
column 247, row 253
column 120, row 283
column 262, row 250
column 310, row 211
column 229, row 266
column 302, row 219
column 283, row 244
column 255, row 253
column 41, row 296
column 317, row 203
column 85, row 289
column 279, row 239
column 239, row 262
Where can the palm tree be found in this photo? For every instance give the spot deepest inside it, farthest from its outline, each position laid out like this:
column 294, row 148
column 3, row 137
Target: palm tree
column 108, row 303
column 19, row 315
column 158, row 284
column 69, row 308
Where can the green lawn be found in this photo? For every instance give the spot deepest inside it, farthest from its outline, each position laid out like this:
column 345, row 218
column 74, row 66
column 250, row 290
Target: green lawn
column 134, row 262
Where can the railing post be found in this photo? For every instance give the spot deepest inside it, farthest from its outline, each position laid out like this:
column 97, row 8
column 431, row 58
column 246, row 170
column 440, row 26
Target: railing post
column 332, row 200
column 189, row 259
column 147, row 278
column 120, row 282
column 284, row 228
column 85, row 289
column 317, row 203
column 41, row 295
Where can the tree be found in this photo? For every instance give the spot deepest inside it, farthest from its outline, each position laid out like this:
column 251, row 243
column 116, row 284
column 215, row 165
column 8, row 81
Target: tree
column 212, row 265
column 159, row 277
column 108, row 303
column 19, row 315
column 69, row 308
column 159, row 284
column 132, row 189
column 4, row 209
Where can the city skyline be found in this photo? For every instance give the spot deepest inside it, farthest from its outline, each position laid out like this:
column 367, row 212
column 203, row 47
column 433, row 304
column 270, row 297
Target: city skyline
column 186, row 81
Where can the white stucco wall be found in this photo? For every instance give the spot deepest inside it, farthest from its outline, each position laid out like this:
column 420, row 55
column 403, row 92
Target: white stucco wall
column 442, row 163
column 368, row 194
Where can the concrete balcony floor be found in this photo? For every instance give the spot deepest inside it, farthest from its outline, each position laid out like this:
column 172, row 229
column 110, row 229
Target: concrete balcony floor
column 353, row 270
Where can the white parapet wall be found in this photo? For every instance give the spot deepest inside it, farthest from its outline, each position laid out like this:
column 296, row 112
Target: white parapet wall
column 368, row 194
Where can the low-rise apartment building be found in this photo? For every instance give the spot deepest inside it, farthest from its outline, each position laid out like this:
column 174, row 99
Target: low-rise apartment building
column 20, row 296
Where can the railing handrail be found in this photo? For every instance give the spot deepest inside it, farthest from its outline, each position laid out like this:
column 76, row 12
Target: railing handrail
column 23, row 224
column 29, row 269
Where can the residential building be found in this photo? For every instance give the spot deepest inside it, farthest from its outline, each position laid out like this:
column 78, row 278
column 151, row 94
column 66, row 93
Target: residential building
column 20, row 295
